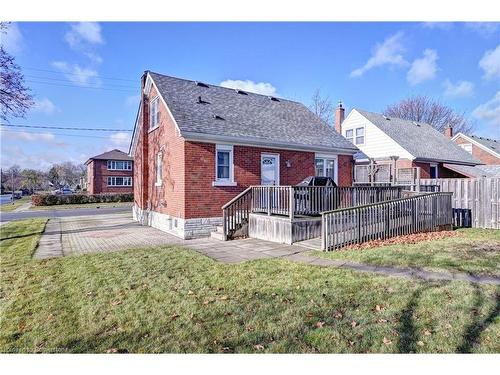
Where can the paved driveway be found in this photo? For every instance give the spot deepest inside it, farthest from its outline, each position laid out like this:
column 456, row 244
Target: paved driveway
column 88, row 234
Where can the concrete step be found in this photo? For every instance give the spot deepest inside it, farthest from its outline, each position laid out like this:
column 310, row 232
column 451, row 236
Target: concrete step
column 217, row 236
column 219, row 229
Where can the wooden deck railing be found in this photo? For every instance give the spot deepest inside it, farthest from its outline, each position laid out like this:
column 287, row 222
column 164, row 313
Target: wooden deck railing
column 292, row 201
column 422, row 213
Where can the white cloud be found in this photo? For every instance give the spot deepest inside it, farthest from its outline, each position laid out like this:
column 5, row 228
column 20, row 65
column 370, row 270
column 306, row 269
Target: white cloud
column 424, row 68
column 29, row 137
column 12, row 40
column 120, row 139
column 15, row 154
column 84, row 33
column 44, row 106
column 263, row 88
column 490, row 63
column 78, row 75
column 438, row 25
column 489, row 111
column 387, row 53
column 458, row 89
column 485, row 29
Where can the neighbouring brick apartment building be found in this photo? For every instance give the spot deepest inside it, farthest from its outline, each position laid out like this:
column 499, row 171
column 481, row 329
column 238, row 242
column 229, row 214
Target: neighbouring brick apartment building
column 484, row 149
column 110, row 172
column 196, row 146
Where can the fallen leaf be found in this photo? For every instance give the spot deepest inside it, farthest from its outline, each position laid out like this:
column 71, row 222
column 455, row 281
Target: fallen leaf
column 448, row 326
column 319, row 324
column 309, row 315
column 427, row 332
column 382, row 320
column 387, row 341
column 338, row 315
column 259, row 347
column 190, row 292
column 351, row 343
column 378, row 308
column 223, row 298
column 116, row 302
column 112, row 350
column 420, row 343
column 174, row 316
column 353, row 324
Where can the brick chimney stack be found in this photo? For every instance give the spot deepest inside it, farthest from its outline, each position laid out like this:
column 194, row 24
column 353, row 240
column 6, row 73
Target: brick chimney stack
column 339, row 117
column 448, row 132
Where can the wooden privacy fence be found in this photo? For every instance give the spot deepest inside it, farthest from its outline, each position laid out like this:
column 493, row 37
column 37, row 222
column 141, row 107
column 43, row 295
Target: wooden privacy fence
column 304, row 201
column 475, row 201
column 422, row 213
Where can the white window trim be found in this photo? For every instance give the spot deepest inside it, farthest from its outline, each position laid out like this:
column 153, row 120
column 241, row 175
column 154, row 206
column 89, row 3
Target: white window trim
column 156, row 98
column 225, row 181
column 129, row 162
column 277, row 156
column 364, row 135
column 115, row 185
column 159, row 156
column 335, row 159
column 437, row 170
column 349, row 138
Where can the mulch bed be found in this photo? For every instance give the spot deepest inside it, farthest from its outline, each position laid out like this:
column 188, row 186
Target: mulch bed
column 404, row 240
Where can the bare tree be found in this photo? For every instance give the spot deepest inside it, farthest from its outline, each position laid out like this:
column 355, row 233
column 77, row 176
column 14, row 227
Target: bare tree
column 426, row 110
column 13, row 180
column 15, row 98
column 31, row 179
column 322, row 106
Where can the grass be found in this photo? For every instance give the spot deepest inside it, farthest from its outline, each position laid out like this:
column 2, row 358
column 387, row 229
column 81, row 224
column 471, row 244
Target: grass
column 9, row 207
column 472, row 251
column 169, row 299
column 83, row 205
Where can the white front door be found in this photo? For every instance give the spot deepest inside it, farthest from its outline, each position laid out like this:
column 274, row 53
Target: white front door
column 269, row 169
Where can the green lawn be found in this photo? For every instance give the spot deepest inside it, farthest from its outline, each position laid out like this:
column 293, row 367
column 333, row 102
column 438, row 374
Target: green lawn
column 472, row 250
column 9, row 207
column 83, row 205
column 174, row 300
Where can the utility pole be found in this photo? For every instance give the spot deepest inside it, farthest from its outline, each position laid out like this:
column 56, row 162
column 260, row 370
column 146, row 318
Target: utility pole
column 12, row 179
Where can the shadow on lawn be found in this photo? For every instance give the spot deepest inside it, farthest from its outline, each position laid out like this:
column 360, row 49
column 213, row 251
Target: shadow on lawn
column 473, row 331
column 21, row 236
column 408, row 335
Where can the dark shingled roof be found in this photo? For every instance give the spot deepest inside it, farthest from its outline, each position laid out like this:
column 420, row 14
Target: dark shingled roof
column 111, row 155
column 420, row 139
column 475, row 171
column 251, row 118
column 491, row 144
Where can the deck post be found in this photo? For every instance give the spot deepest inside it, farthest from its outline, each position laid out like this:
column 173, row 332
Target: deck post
column 269, row 201
column 291, row 202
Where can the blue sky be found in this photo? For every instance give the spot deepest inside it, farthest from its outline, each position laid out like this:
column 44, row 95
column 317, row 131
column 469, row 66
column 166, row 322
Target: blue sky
column 93, row 71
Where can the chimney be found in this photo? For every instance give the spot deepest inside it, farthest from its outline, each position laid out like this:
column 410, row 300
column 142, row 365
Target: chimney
column 448, row 132
column 339, row 117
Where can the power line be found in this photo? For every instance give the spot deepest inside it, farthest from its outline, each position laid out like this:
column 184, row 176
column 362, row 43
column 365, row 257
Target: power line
column 66, row 128
column 79, row 87
column 76, row 74
column 69, row 81
column 63, row 134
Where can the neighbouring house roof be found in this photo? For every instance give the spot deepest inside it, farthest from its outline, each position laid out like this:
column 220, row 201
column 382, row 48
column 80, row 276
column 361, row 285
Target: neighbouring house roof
column 420, row 139
column 213, row 113
column 111, row 155
column 489, row 144
column 475, row 171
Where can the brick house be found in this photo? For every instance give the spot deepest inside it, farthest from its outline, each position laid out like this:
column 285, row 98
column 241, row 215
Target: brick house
column 484, row 149
column 196, row 146
column 404, row 144
column 110, row 172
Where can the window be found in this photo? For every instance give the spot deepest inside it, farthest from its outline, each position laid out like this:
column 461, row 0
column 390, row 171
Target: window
column 154, row 113
column 326, row 167
column 119, row 181
column 467, row 147
column 159, row 168
column 119, row 165
column 224, row 166
column 433, row 171
column 349, row 134
column 360, row 136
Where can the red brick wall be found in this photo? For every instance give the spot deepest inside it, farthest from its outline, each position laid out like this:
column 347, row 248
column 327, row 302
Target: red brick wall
column 345, row 170
column 98, row 182
column 480, row 154
column 169, row 197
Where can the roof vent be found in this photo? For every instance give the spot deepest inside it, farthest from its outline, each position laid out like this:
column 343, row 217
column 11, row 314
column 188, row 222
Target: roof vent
column 201, row 101
column 387, row 118
column 416, row 123
column 217, row 117
column 274, row 99
column 241, row 92
column 201, row 84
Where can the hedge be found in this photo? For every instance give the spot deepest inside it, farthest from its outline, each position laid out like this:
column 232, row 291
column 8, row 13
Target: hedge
column 52, row 199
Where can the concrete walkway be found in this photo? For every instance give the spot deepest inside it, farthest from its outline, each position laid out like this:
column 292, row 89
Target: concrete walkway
column 100, row 233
